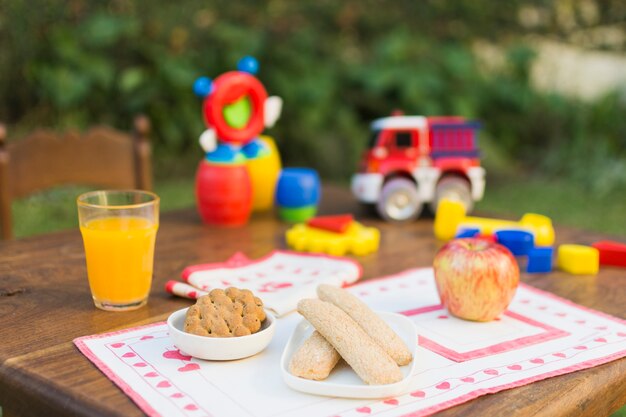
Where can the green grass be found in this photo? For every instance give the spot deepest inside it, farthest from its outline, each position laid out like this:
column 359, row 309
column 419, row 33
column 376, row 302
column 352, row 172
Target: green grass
column 56, row 209
column 565, row 202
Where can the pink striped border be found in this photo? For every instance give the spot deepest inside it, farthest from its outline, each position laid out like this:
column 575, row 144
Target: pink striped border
column 126, row 388
column 548, row 334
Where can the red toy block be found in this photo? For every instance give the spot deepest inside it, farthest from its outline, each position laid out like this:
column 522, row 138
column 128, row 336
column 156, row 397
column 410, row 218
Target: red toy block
column 611, row 253
column 336, row 224
column 487, row 237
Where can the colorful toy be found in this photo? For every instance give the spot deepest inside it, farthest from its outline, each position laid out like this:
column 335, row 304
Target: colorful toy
column 223, row 194
column 540, row 260
column 450, row 217
column 264, row 172
column 236, row 109
column 336, row 224
column 414, row 160
column 578, row 259
column 357, row 239
column 611, row 253
column 462, row 233
column 518, row 242
column 297, row 194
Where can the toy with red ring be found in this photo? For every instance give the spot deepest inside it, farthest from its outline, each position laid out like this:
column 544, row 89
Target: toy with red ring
column 236, row 108
column 229, row 88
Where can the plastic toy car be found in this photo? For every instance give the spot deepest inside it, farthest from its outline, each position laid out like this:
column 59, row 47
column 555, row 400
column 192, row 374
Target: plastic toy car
column 415, row 160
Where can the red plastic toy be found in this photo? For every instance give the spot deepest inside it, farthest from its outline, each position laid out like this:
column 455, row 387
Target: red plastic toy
column 413, row 160
column 336, row 224
column 223, row 194
column 611, row 253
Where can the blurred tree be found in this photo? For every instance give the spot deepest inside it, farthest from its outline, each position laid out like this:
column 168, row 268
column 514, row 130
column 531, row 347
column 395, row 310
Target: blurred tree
column 338, row 65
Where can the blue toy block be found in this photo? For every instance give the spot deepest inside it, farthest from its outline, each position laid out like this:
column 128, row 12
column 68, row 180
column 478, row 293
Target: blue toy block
column 540, row 260
column 518, row 242
column 466, row 233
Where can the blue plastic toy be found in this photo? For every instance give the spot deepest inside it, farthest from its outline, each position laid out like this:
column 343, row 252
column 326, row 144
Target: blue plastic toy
column 519, row 242
column 540, row 260
column 467, row 233
column 297, row 194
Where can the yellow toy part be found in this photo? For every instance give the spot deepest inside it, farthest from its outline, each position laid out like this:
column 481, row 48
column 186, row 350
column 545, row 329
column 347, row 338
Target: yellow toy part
column 264, row 172
column 578, row 259
column 358, row 240
column 450, row 217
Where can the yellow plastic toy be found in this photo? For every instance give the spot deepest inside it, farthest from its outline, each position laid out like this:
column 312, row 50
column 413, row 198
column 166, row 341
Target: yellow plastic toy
column 264, row 172
column 578, row 259
column 357, row 239
column 450, row 217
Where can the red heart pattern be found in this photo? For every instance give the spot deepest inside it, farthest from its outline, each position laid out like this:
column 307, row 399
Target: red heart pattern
column 491, row 372
column 189, row 367
column 391, row 401
column 580, row 347
column 537, row 360
column 164, row 384
column 151, row 375
column 117, row 345
column 128, row 355
column 364, row 410
column 600, row 340
column 140, row 364
column 514, row 367
column 443, row 385
column 176, row 354
column 418, row 394
column 467, row 379
column 146, row 337
column 559, row 355
column 191, row 407
column 177, row 395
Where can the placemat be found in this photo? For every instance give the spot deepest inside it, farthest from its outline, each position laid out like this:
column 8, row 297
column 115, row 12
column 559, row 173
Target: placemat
column 540, row 336
column 281, row 278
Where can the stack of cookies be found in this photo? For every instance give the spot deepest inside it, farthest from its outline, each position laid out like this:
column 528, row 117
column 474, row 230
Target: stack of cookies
column 347, row 328
column 225, row 313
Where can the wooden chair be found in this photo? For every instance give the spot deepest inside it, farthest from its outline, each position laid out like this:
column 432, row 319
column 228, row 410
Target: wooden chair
column 102, row 157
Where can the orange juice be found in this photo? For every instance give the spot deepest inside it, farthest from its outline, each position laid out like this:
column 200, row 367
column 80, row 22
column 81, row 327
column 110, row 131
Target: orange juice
column 120, row 253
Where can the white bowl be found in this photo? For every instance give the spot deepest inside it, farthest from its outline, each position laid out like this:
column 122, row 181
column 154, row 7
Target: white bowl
column 219, row 348
column 343, row 381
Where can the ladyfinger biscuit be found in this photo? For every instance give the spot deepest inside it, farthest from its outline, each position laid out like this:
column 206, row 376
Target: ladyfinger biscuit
column 314, row 359
column 373, row 325
column 366, row 357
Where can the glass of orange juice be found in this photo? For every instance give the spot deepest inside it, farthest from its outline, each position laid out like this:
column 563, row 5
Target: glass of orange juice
column 119, row 230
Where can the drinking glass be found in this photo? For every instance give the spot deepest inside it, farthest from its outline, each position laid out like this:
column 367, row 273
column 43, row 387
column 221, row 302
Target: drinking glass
column 119, row 231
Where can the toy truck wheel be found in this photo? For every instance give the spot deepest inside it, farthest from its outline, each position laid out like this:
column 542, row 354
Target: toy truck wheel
column 399, row 201
column 453, row 188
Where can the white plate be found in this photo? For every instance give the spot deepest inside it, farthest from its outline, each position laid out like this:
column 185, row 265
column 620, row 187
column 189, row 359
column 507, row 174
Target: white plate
column 219, row 348
column 343, row 381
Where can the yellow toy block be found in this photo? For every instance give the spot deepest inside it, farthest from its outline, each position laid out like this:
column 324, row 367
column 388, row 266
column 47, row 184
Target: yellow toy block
column 578, row 259
column 264, row 171
column 450, row 217
column 358, row 240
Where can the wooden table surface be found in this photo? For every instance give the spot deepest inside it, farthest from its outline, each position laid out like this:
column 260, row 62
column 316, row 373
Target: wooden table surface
column 45, row 303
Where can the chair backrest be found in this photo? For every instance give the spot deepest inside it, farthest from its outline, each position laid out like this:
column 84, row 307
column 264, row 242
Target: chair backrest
column 102, row 157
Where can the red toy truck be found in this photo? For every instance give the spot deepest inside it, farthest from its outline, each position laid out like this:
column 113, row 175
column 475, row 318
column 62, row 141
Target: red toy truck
column 413, row 160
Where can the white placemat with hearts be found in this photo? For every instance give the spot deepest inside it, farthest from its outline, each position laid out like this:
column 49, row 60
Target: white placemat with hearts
column 281, row 278
column 540, row 336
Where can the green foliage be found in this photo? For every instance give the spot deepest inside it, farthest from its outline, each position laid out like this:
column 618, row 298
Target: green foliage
column 338, row 65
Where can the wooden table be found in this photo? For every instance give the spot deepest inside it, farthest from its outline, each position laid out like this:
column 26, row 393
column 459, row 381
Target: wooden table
column 45, row 304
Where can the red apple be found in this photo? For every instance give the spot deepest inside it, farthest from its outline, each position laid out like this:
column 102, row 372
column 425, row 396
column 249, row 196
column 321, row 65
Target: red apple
column 476, row 279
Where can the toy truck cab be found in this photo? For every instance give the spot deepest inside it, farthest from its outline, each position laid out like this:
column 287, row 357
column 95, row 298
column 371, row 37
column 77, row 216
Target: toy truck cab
column 417, row 160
